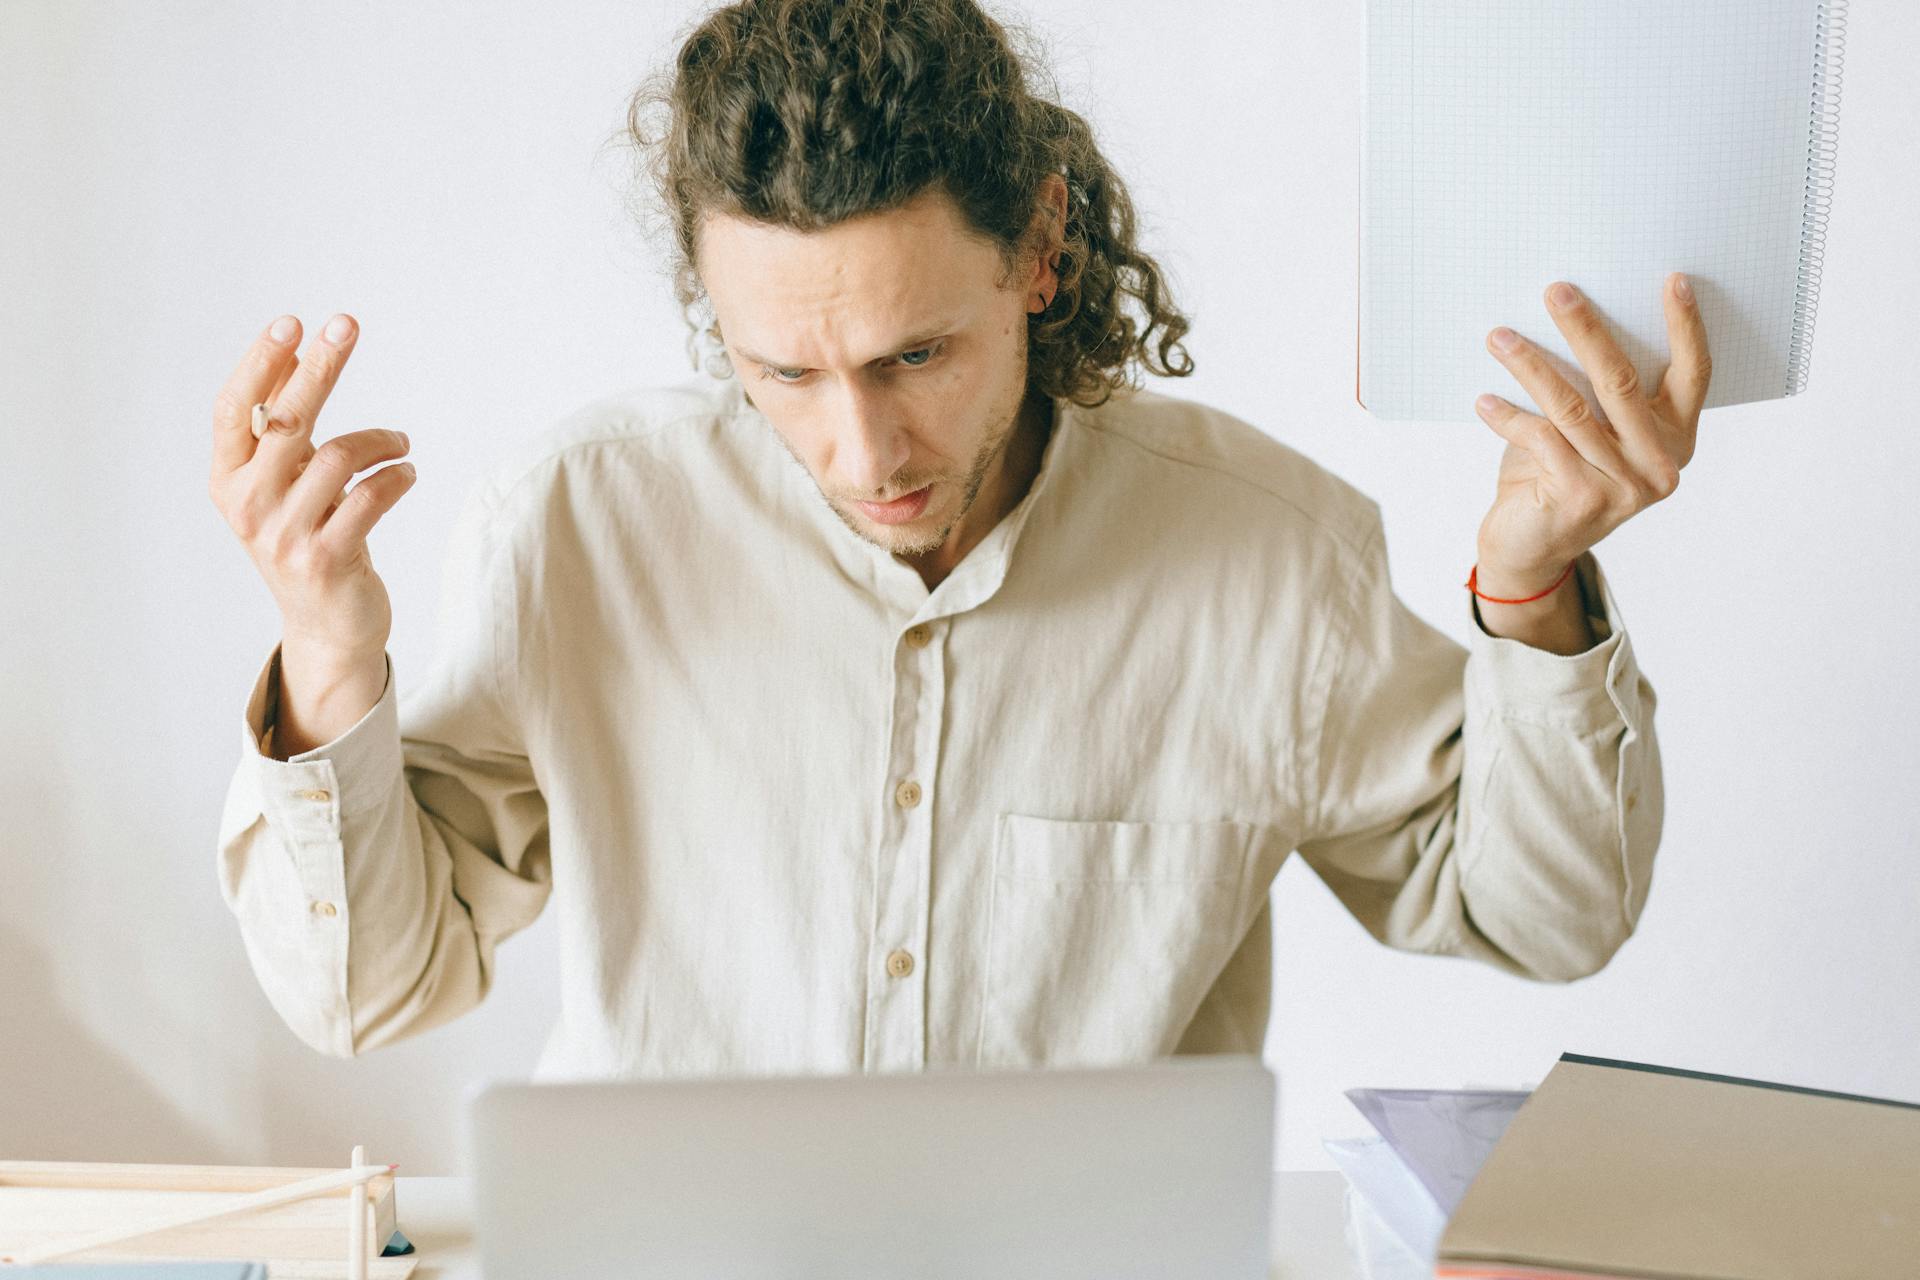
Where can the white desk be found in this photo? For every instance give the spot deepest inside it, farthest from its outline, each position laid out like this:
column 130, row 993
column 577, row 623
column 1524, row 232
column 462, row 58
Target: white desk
column 1308, row 1243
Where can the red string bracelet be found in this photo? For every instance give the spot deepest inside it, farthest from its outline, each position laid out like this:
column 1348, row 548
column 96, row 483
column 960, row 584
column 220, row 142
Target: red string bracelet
column 1473, row 579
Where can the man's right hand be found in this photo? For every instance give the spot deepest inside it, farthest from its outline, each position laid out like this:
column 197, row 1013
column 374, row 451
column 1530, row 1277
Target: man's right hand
column 284, row 498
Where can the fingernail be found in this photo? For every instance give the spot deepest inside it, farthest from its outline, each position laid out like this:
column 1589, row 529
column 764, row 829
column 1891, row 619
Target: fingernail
column 1562, row 295
column 338, row 328
column 1683, row 290
column 1505, row 338
column 282, row 328
column 1486, row 404
column 404, row 442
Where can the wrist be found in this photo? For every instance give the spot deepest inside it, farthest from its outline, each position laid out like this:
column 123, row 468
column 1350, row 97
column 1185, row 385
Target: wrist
column 314, row 700
column 1542, row 609
column 1517, row 585
column 325, row 659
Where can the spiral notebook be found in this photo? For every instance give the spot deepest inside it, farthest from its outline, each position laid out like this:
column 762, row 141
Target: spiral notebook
column 1604, row 142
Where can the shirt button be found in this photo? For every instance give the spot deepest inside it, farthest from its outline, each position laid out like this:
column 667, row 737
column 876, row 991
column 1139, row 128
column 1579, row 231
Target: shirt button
column 918, row 636
column 900, row 963
column 907, row 794
column 325, row 909
column 315, row 795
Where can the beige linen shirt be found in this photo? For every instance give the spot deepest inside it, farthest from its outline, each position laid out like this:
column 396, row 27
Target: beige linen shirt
column 798, row 813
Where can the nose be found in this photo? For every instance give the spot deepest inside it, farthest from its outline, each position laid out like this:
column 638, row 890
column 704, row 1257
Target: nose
column 869, row 447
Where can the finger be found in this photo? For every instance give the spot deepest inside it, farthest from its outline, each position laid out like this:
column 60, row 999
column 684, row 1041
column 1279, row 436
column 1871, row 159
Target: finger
column 289, row 442
column 348, row 524
column 1564, row 407
column 280, row 383
column 246, row 386
column 333, row 464
column 263, row 412
column 1616, row 383
column 1541, row 440
column 1689, row 362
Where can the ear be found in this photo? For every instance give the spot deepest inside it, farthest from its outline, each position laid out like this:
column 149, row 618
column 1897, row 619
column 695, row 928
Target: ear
column 1052, row 217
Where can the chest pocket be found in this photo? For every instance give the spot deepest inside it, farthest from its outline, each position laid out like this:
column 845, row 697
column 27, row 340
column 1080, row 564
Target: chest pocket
column 1102, row 937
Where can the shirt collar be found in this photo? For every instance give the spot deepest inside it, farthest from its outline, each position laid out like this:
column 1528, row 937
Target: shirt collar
column 978, row 575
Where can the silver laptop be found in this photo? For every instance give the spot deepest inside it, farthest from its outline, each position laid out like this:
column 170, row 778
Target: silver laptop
column 1124, row 1173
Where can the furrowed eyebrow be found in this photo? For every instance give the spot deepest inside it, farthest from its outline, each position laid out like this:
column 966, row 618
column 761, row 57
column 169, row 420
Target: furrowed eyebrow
column 919, row 340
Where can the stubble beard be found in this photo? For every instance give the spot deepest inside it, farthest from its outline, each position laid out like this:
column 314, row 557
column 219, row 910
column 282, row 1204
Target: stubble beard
column 905, row 544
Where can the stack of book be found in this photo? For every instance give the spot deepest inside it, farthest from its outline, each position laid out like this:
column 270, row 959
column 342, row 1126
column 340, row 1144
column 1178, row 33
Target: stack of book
column 1620, row 1169
column 1613, row 1170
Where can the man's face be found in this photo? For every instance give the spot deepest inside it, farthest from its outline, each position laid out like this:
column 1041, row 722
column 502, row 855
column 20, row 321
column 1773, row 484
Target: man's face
column 882, row 354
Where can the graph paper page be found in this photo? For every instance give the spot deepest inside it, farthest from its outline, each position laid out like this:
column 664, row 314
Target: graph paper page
column 1511, row 143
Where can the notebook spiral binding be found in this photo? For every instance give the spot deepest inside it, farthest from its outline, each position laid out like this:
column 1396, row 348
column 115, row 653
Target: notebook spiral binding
column 1830, row 40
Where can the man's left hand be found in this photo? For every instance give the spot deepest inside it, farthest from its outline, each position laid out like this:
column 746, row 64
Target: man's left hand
column 1570, row 478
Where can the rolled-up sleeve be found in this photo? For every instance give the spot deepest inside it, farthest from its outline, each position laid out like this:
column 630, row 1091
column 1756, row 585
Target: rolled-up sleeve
column 373, row 876
column 1498, row 802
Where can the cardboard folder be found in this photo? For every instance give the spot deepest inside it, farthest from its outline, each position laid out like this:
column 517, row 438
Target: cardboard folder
column 1622, row 1169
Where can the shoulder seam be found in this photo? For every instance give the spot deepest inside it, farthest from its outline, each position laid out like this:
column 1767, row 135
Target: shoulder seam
column 1353, row 542
column 505, row 488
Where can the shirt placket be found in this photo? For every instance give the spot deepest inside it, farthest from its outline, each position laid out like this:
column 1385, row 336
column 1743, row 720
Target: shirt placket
column 897, row 963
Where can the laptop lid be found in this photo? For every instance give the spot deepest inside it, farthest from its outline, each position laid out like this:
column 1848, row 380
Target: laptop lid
column 1117, row 1173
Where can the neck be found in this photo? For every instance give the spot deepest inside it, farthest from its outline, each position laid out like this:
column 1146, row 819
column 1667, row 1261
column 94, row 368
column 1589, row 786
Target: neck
column 1007, row 481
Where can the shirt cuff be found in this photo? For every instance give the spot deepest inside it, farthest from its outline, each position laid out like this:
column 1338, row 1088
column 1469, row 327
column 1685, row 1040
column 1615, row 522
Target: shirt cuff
column 310, row 792
column 1585, row 691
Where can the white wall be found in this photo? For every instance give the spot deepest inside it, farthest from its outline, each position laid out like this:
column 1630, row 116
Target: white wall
column 175, row 176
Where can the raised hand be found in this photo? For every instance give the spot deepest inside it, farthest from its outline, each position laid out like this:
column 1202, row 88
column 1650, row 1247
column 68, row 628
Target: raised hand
column 307, row 533
column 1568, row 479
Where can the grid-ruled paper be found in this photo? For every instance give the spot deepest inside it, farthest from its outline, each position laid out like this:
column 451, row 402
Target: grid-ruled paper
column 1512, row 143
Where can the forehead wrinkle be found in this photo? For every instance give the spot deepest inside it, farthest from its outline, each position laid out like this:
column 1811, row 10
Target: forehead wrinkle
column 823, row 287
column 845, row 319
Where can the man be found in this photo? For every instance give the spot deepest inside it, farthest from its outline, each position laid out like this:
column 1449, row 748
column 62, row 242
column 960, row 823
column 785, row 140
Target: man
column 924, row 694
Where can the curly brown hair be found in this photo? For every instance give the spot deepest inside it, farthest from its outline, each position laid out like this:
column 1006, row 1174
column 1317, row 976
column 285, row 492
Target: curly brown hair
column 804, row 113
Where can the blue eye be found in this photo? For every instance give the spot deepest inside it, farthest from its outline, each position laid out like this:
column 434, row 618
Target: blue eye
column 928, row 352
column 776, row 375
column 792, row 377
